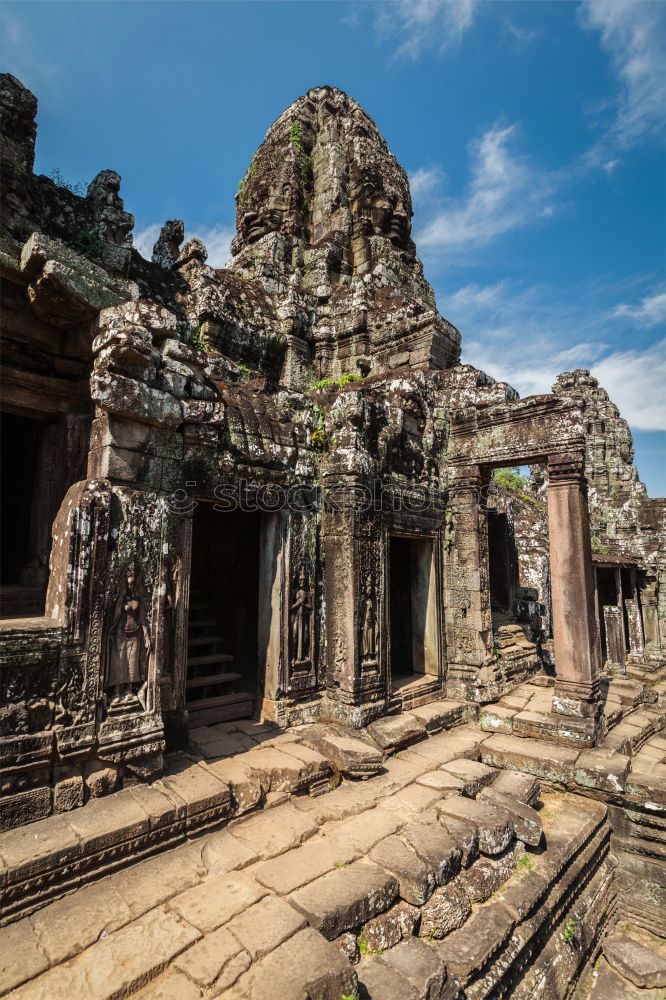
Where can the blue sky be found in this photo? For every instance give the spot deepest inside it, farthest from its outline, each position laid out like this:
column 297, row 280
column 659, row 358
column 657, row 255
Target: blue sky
column 533, row 133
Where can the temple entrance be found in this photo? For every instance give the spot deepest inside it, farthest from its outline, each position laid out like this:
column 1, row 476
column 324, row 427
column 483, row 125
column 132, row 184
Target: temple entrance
column 222, row 665
column 412, row 609
column 503, row 568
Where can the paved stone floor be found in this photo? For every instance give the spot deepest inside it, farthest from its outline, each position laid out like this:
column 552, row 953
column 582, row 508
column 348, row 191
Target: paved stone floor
column 360, row 887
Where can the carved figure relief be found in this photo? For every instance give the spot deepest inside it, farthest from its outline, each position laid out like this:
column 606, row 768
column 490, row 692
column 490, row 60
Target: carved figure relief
column 128, row 645
column 301, row 623
column 368, row 639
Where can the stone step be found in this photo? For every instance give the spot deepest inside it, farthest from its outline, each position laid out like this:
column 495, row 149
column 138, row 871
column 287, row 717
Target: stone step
column 197, row 682
column 440, row 715
column 204, row 623
column 218, row 701
column 205, row 661
column 204, row 640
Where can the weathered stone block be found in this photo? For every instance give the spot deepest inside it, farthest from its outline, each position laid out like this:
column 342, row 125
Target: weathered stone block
column 118, row 964
column 519, row 786
column 222, row 852
column 71, row 924
column 214, row 902
column 303, row 865
column 25, row 807
column 446, row 911
column 442, row 781
column 346, row 898
column 204, row 793
column 438, row 715
column 526, row 821
column 493, row 824
column 305, row 965
column 416, row 879
column 385, row 930
column 275, row 831
column 245, row 784
column 379, row 979
column 396, row 731
column 486, row 876
column 354, row 758
column 543, row 760
column 468, row 949
column 264, row 926
column 204, row 961
column 29, row 850
column 642, row 966
column 420, row 966
column 436, row 847
column 602, row 769
column 21, row 955
column 473, row 775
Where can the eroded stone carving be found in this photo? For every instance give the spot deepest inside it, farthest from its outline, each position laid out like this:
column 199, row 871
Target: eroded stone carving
column 128, row 644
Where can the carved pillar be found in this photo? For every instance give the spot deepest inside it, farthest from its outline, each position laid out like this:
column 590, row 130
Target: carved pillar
column 577, row 661
column 354, row 557
column 467, row 589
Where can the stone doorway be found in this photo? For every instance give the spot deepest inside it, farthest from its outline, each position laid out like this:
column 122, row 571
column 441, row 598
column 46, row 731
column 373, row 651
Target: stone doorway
column 29, row 498
column 412, row 610
column 222, row 665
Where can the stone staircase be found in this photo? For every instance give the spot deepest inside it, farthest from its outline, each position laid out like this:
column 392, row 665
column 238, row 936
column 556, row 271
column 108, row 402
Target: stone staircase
column 442, row 877
column 211, row 694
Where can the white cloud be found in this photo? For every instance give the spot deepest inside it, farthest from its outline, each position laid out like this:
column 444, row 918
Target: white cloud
column 528, row 335
column 216, row 238
column 422, row 24
column 145, row 239
column 648, row 312
column 635, row 382
column 505, row 192
column 632, row 33
column 218, row 241
column 425, row 181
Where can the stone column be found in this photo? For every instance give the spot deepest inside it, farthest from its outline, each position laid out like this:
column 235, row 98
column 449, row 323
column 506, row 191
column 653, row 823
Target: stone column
column 466, row 588
column 577, row 660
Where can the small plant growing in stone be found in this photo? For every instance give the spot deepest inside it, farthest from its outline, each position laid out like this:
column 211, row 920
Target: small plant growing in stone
column 569, row 932
column 245, row 373
column 87, row 244
column 201, row 341
column 325, row 383
column 57, row 177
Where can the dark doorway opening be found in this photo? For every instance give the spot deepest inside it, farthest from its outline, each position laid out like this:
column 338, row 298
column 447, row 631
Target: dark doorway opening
column 503, row 568
column 412, row 609
column 22, row 573
column 223, row 627
column 401, row 608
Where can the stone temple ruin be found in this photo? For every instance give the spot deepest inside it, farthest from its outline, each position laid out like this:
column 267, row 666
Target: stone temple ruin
column 297, row 698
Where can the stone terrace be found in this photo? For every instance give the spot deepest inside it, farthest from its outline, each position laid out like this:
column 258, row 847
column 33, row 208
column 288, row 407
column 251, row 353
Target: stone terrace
column 430, row 877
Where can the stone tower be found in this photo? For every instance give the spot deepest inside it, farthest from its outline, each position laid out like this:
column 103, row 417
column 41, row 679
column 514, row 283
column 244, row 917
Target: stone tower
column 323, row 214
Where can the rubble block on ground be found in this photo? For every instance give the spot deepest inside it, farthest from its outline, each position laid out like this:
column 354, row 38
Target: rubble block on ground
column 526, row 821
column 352, row 757
column 396, row 731
column 493, row 824
column 438, row 715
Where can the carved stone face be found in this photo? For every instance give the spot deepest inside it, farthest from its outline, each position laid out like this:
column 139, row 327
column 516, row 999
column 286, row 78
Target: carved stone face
column 400, row 226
